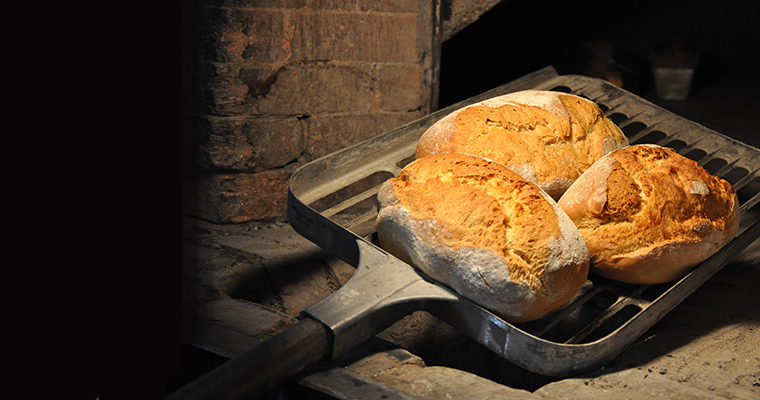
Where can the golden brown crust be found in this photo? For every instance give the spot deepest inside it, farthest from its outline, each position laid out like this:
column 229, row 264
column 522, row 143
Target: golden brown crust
column 547, row 137
column 480, row 203
column 648, row 214
column 483, row 230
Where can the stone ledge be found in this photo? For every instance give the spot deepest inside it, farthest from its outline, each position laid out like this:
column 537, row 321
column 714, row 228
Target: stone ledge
column 705, row 348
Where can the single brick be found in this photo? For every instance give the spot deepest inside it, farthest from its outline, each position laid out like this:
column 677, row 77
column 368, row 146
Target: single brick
column 314, row 88
column 250, row 144
column 304, row 88
column 278, row 35
column 390, row 5
column 277, row 142
column 401, row 87
column 331, row 133
column 241, row 197
column 369, row 37
column 347, row 5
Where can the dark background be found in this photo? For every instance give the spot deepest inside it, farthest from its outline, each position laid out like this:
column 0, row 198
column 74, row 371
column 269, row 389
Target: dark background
column 519, row 37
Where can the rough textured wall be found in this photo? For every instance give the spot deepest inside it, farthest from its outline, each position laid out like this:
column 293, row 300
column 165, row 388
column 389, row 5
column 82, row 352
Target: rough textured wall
column 270, row 84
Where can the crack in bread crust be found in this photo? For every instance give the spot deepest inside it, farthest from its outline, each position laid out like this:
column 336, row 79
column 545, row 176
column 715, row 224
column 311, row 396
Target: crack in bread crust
column 651, row 208
column 558, row 135
column 481, row 229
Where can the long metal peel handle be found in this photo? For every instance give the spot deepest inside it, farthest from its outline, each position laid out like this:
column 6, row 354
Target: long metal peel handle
column 263, row 368
column 382, row 290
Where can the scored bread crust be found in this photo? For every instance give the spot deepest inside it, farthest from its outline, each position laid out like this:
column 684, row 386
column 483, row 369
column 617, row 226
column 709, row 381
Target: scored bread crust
column 484, row 231
column 547, row 137
column 648, row 215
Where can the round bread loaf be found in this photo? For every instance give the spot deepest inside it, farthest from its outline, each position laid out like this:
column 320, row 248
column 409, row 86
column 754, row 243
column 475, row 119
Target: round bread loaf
column 547, row 137
column 484, row 231
column 648, row 214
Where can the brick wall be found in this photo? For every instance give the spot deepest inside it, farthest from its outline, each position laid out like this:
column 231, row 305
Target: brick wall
column 271, row 84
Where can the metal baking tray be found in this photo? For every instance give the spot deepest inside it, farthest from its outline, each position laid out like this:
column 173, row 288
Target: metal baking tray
column 332, row 202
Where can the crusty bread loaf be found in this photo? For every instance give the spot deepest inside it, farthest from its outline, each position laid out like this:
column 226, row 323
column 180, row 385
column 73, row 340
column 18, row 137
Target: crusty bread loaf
column 484, row 231
column 648, row 214
column 547, row 137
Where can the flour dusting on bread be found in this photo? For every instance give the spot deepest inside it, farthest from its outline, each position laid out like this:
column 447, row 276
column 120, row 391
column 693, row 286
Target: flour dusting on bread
column 471, row 224
column 699, row 187
column 543, row 99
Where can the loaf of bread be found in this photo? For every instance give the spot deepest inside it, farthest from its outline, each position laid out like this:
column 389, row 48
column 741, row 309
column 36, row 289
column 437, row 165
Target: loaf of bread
column 547, row 137
column 648, row 214
column 484, row 231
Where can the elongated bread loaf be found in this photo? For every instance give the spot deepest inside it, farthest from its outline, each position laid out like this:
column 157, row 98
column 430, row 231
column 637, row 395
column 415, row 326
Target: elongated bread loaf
column 484, row 231
column 547, row 137
column 648, row 214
